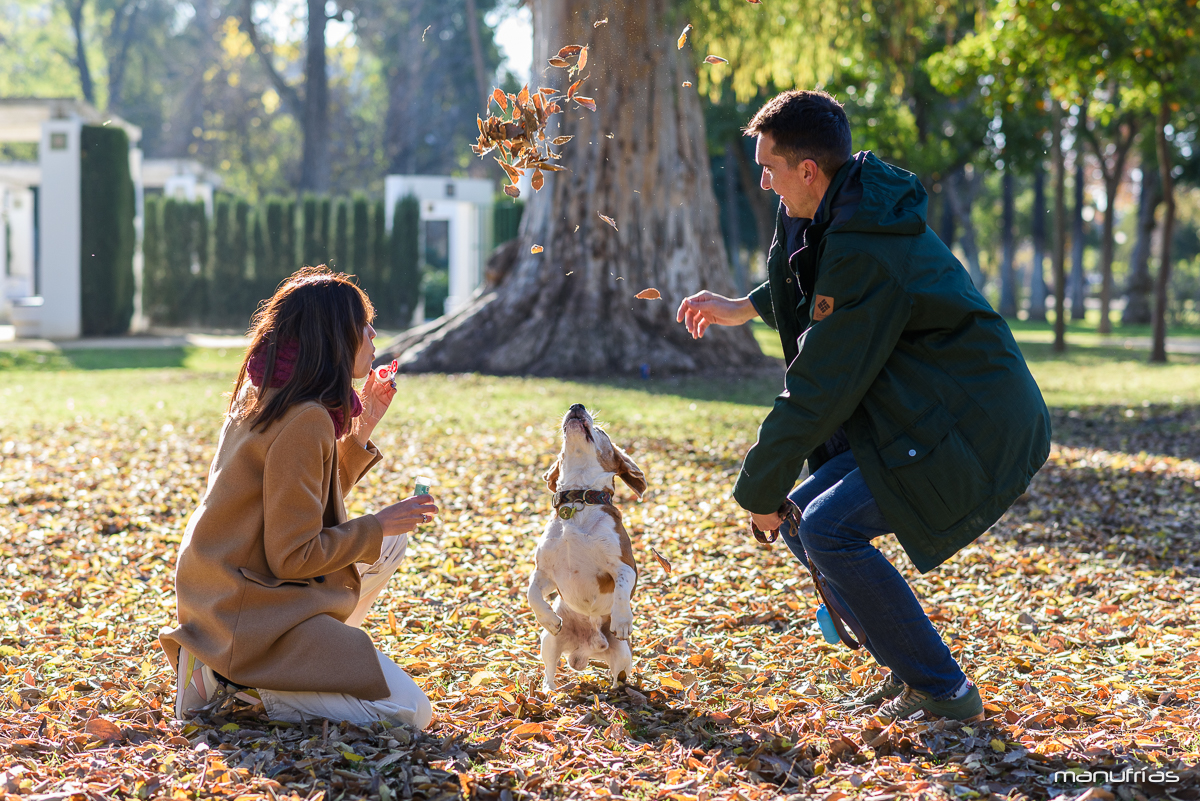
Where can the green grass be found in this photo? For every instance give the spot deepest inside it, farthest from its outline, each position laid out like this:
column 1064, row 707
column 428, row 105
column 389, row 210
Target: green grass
column 187, row 386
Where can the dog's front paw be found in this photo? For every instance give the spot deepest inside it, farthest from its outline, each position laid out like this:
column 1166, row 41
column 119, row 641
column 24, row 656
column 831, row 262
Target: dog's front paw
column 551, row 623
column 622, row 626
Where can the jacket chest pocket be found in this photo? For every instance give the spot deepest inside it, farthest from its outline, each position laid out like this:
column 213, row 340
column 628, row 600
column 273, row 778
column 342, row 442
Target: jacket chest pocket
column 273, row 582
column 938, row 470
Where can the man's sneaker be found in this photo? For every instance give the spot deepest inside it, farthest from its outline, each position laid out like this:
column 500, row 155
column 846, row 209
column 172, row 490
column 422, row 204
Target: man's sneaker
column 890, row 688
column 914, row 705
column 195, row 686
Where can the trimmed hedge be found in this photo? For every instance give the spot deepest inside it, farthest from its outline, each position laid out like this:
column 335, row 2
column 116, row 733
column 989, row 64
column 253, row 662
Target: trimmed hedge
column 192, row 281
column 107, row 236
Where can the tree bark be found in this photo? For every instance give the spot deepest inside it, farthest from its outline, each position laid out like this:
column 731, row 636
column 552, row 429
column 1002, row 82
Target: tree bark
column 1059, row 257
column 1137, row 291
column 124, row 23
column 1078, row 283
column 571, row 309
column 1008, row 278
column 1037, row 225
column 314, row 165
column 1158, row 352
column 729, row 180
column 75, row 9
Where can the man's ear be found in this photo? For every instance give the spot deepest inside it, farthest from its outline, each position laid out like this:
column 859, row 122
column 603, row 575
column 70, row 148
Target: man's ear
column 551, row 475
column 630, row 473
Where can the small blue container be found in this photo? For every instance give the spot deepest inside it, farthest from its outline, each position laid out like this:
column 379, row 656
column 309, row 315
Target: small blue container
column 828, row 630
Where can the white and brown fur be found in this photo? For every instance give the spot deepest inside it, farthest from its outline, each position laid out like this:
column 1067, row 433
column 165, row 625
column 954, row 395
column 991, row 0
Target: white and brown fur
column 588, row 559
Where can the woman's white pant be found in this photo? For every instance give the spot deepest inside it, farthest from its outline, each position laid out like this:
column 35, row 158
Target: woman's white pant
column 407, row 702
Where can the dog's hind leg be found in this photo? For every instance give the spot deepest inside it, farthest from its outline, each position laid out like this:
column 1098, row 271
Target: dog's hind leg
column 540, row 584
column 619, row 657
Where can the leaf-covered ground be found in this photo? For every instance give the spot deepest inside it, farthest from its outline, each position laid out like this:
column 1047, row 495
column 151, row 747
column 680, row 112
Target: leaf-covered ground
column 1078, row 614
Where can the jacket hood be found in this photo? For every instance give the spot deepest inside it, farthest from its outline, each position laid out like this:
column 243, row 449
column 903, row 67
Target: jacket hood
column 870, row 196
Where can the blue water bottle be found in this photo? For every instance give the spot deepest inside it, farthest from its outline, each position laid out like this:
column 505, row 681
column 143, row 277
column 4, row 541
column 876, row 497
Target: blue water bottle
column 828, row 630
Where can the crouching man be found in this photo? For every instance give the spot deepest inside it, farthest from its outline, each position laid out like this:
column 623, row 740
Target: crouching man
column 904, row 391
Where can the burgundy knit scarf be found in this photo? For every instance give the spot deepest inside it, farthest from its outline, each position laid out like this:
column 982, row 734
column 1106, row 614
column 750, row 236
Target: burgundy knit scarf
column 285, row 362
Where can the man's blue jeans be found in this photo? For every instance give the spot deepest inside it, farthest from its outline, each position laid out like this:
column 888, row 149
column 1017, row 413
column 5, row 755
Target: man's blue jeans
column 840, row 518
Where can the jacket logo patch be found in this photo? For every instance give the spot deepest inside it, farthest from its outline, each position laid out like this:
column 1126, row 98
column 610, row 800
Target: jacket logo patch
column 822, row 308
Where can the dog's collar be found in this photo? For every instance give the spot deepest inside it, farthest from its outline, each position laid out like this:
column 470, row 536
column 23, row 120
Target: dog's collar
column 566, row 503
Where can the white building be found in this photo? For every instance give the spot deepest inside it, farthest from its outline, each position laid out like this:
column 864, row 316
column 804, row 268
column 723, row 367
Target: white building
column 40, row 213
column 464, row 206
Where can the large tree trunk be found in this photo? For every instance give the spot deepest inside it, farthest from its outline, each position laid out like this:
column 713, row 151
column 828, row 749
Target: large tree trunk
column 314, row 165
column 571, row 309
column 1059, row 257
column 1137, row 290
column 1078, row 282
column 1008, row 278
column 1158, row 353
column 1037, row 226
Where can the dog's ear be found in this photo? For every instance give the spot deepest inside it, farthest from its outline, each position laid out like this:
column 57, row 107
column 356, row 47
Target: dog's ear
column 551, row 475
column 630, row 473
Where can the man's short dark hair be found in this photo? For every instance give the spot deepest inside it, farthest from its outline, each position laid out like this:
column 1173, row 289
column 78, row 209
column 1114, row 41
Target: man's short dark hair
column 805, row 124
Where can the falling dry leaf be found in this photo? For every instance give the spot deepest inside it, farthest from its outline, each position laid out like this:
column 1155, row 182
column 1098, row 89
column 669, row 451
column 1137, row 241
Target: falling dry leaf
column 559, row 62
column 609, row 220
column 662, row 562
column 586, row 102
column 562, row 140
column 501, row 99
column 570, row 51
column 511, row 190
column 715, row 60
column 425, row 32
column 537, row 181
column 649, row 294
column 683, row 36
column 536, row 249
column 583, row 57
column 687, row 83
column 574, row 88
column 600, row 22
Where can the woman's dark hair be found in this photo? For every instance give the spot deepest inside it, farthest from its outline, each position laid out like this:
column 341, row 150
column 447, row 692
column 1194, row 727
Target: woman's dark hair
column 322, row 315
column 805, row 124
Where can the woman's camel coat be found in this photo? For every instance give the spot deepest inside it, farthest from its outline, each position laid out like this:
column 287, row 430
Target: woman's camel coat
column 266, row 570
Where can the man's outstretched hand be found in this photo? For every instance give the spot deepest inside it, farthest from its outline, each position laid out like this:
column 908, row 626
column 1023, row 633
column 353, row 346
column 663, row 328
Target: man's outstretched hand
column 703, row 309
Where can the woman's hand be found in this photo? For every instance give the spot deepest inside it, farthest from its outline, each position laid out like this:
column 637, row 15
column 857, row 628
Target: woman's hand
column 403, row 517
column 376, row 397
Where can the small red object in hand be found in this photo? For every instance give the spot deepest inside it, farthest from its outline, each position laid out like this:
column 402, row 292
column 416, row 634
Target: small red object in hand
column 388, row 372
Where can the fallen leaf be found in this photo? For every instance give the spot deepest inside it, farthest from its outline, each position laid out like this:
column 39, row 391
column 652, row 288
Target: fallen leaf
column 570, row 51
column 609, row 220
column 511, row 190
column 561, row 140
column 715, row 60
column 649, row 294
column 583, row 57
column 586, row 102
column 600, row 22
column 559, row 62
column 527, row 730
column 537, row 181
column 573, row 88
column 103, row 729
column 683, row 37
column 536, row 249
column 662, row 561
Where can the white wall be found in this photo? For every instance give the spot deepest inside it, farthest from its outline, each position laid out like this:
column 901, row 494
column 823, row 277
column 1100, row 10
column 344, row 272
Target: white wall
column 59, row 210
column 16, row 222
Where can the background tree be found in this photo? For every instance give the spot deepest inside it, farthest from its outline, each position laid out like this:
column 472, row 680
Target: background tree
column 571, row 309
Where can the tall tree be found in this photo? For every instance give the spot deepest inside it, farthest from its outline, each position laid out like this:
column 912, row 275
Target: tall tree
column 571, row 308
column 1058, row 256
column 76, row 10
column 1037, row 269
column 309, row 103
column 1111, row 133
column 1140, row 283
column 1078, row 279
column 1008, row 279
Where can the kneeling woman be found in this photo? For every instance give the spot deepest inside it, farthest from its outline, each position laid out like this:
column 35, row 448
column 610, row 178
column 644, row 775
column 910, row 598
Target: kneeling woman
column 273, row 580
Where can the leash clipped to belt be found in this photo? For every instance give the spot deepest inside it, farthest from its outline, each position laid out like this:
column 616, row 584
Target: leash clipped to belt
column 789, row 512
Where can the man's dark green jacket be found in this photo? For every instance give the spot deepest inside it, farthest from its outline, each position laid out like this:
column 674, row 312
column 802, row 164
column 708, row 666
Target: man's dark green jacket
column 885, row 335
